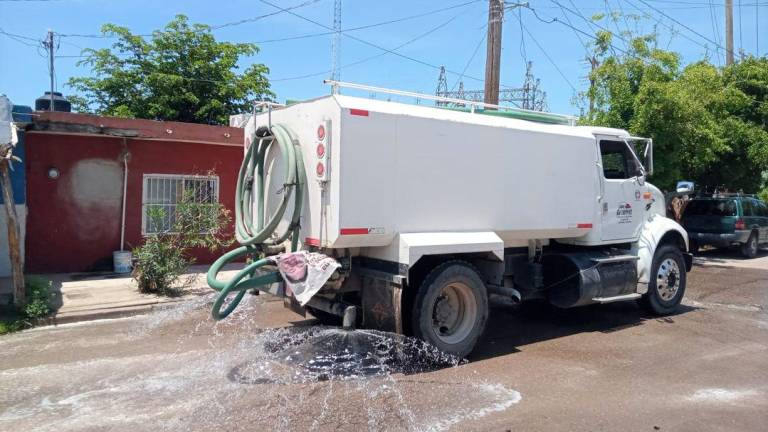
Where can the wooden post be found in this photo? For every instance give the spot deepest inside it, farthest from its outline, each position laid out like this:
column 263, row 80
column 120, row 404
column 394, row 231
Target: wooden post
column 14, row 242
column 493, row 53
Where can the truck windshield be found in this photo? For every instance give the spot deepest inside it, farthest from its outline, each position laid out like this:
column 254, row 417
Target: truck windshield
column 711, row 207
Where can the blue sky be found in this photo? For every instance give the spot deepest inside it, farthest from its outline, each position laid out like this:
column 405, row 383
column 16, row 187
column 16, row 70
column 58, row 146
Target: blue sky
column 444, row 38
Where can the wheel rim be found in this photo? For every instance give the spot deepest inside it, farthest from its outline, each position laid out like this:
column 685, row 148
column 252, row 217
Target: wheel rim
column 668, row 279
column 454, row 312
column 753, row 246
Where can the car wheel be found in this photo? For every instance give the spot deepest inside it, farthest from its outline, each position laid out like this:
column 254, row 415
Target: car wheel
column 666, row 287
column 749, row 249
column 451, row 308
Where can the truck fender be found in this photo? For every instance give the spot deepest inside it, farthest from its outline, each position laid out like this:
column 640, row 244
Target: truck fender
column 408, row 248
column 656, row 231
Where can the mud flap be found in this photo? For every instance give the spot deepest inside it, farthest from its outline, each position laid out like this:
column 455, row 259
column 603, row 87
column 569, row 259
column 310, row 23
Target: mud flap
column 382, row 305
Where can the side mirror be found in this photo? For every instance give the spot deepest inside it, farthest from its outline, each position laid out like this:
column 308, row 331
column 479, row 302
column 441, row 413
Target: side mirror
column 685, row 187
column 648, row 156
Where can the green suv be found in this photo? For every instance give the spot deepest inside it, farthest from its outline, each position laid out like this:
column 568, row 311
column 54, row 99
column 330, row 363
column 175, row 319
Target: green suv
column 724, row 221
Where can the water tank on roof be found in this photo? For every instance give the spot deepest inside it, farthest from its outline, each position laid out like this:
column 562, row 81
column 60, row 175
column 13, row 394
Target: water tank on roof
column 60, row 103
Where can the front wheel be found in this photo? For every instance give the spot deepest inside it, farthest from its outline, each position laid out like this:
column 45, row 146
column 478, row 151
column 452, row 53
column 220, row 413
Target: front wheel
column 451, row 308
column 667, row 284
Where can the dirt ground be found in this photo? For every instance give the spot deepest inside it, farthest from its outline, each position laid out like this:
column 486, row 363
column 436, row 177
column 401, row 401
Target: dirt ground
column 607, row 367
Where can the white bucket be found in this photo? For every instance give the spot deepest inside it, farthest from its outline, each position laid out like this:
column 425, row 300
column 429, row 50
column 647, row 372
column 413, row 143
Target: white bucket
column 122, row 261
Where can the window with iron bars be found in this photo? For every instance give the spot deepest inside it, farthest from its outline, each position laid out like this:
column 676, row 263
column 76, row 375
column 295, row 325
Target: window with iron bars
column 167, row 191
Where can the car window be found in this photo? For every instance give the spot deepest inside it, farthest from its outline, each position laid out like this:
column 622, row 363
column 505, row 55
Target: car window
column 711, row 207
column 618, row 162
column 762, row 208
column 748, row 208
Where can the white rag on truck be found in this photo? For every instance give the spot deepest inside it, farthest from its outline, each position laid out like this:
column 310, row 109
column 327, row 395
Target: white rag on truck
column 305, row 272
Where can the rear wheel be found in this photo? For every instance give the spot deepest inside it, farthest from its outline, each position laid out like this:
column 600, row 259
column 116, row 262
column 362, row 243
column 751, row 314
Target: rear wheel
column 667, row 283
column 451, row 308
column 749, row 249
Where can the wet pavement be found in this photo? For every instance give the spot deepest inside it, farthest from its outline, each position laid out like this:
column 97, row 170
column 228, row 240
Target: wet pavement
column 606, row 367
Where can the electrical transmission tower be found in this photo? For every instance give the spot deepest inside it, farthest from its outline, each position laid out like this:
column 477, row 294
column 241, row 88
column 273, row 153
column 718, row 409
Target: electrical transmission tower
column 442, row 87
column 529, row 96
column 336, row 42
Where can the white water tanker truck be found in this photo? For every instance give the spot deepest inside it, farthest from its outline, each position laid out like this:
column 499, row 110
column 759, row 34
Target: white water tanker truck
column 428, row 211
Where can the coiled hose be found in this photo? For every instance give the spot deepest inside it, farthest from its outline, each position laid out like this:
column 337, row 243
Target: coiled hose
column 260, row 238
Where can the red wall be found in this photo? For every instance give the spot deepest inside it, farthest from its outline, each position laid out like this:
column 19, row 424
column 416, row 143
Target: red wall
column 73, row 222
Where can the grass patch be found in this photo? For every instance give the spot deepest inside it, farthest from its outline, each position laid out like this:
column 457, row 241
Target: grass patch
column 39, row 305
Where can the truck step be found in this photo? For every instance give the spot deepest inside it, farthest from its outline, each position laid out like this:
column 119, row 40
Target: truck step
column 624, row 297
column 615, row 258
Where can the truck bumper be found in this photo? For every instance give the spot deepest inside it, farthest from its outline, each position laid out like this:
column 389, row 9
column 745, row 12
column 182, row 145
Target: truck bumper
column 721, row 240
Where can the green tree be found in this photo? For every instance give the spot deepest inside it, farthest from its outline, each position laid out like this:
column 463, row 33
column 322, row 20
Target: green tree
column 708, row 123
column 180, row 73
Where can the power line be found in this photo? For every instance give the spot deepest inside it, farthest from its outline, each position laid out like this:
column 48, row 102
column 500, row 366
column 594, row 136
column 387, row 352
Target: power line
column 371, row 44
column 209, row 27
column 645, row 2
column 671, row 28
column 367, row 26
column 472, row 57
column 546, row 54
column 367, row 59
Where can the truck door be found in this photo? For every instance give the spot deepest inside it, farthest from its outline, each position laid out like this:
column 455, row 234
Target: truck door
column 622, row 202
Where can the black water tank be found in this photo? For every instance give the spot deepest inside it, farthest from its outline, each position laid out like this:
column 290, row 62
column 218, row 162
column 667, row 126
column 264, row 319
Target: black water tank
column 60, row 103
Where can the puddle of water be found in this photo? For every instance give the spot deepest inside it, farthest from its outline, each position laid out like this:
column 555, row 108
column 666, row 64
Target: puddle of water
column 177, row 370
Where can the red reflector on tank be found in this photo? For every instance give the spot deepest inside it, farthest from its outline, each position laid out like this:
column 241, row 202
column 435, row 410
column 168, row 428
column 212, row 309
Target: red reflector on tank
column 320, row 150
column 320, row 169
column 321, row 132
column 353, row 231
column 584, row 225
column 312, row 241
column 358, row 112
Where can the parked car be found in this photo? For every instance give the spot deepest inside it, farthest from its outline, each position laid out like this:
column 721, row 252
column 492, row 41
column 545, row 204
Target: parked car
column 724, row 221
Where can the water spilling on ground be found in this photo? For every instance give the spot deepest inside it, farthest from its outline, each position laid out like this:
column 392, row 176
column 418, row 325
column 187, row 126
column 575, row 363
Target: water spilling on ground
column 178, row 370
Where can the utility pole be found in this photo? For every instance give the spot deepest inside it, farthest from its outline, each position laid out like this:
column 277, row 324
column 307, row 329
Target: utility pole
column 728, row 32
column 493, row 52
column 48, row 44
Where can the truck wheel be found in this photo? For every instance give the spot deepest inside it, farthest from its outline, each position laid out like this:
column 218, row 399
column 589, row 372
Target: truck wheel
column 749, row 249
column 667, row 285
column 451, row 308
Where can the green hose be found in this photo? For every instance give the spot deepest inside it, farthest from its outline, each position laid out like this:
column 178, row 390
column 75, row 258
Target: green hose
column 258, row 237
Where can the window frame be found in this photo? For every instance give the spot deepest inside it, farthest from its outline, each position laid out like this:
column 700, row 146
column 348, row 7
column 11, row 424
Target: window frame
column 630, row 158
column 172, row 177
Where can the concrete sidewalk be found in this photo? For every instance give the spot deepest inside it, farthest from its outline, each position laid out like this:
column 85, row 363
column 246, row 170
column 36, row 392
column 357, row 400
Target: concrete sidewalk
column 90, row 296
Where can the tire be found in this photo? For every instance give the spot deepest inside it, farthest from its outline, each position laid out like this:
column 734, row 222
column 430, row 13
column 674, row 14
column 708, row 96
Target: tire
column 749, row 249
column 666, row 287
column 451, row 308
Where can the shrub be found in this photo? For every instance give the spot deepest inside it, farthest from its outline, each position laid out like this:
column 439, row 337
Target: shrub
column 763, row 195
column 38, row 298
column 198, row 222
column 39, row 305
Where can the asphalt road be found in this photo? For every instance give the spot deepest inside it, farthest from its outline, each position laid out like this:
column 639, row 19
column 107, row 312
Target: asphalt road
column 538, row 368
